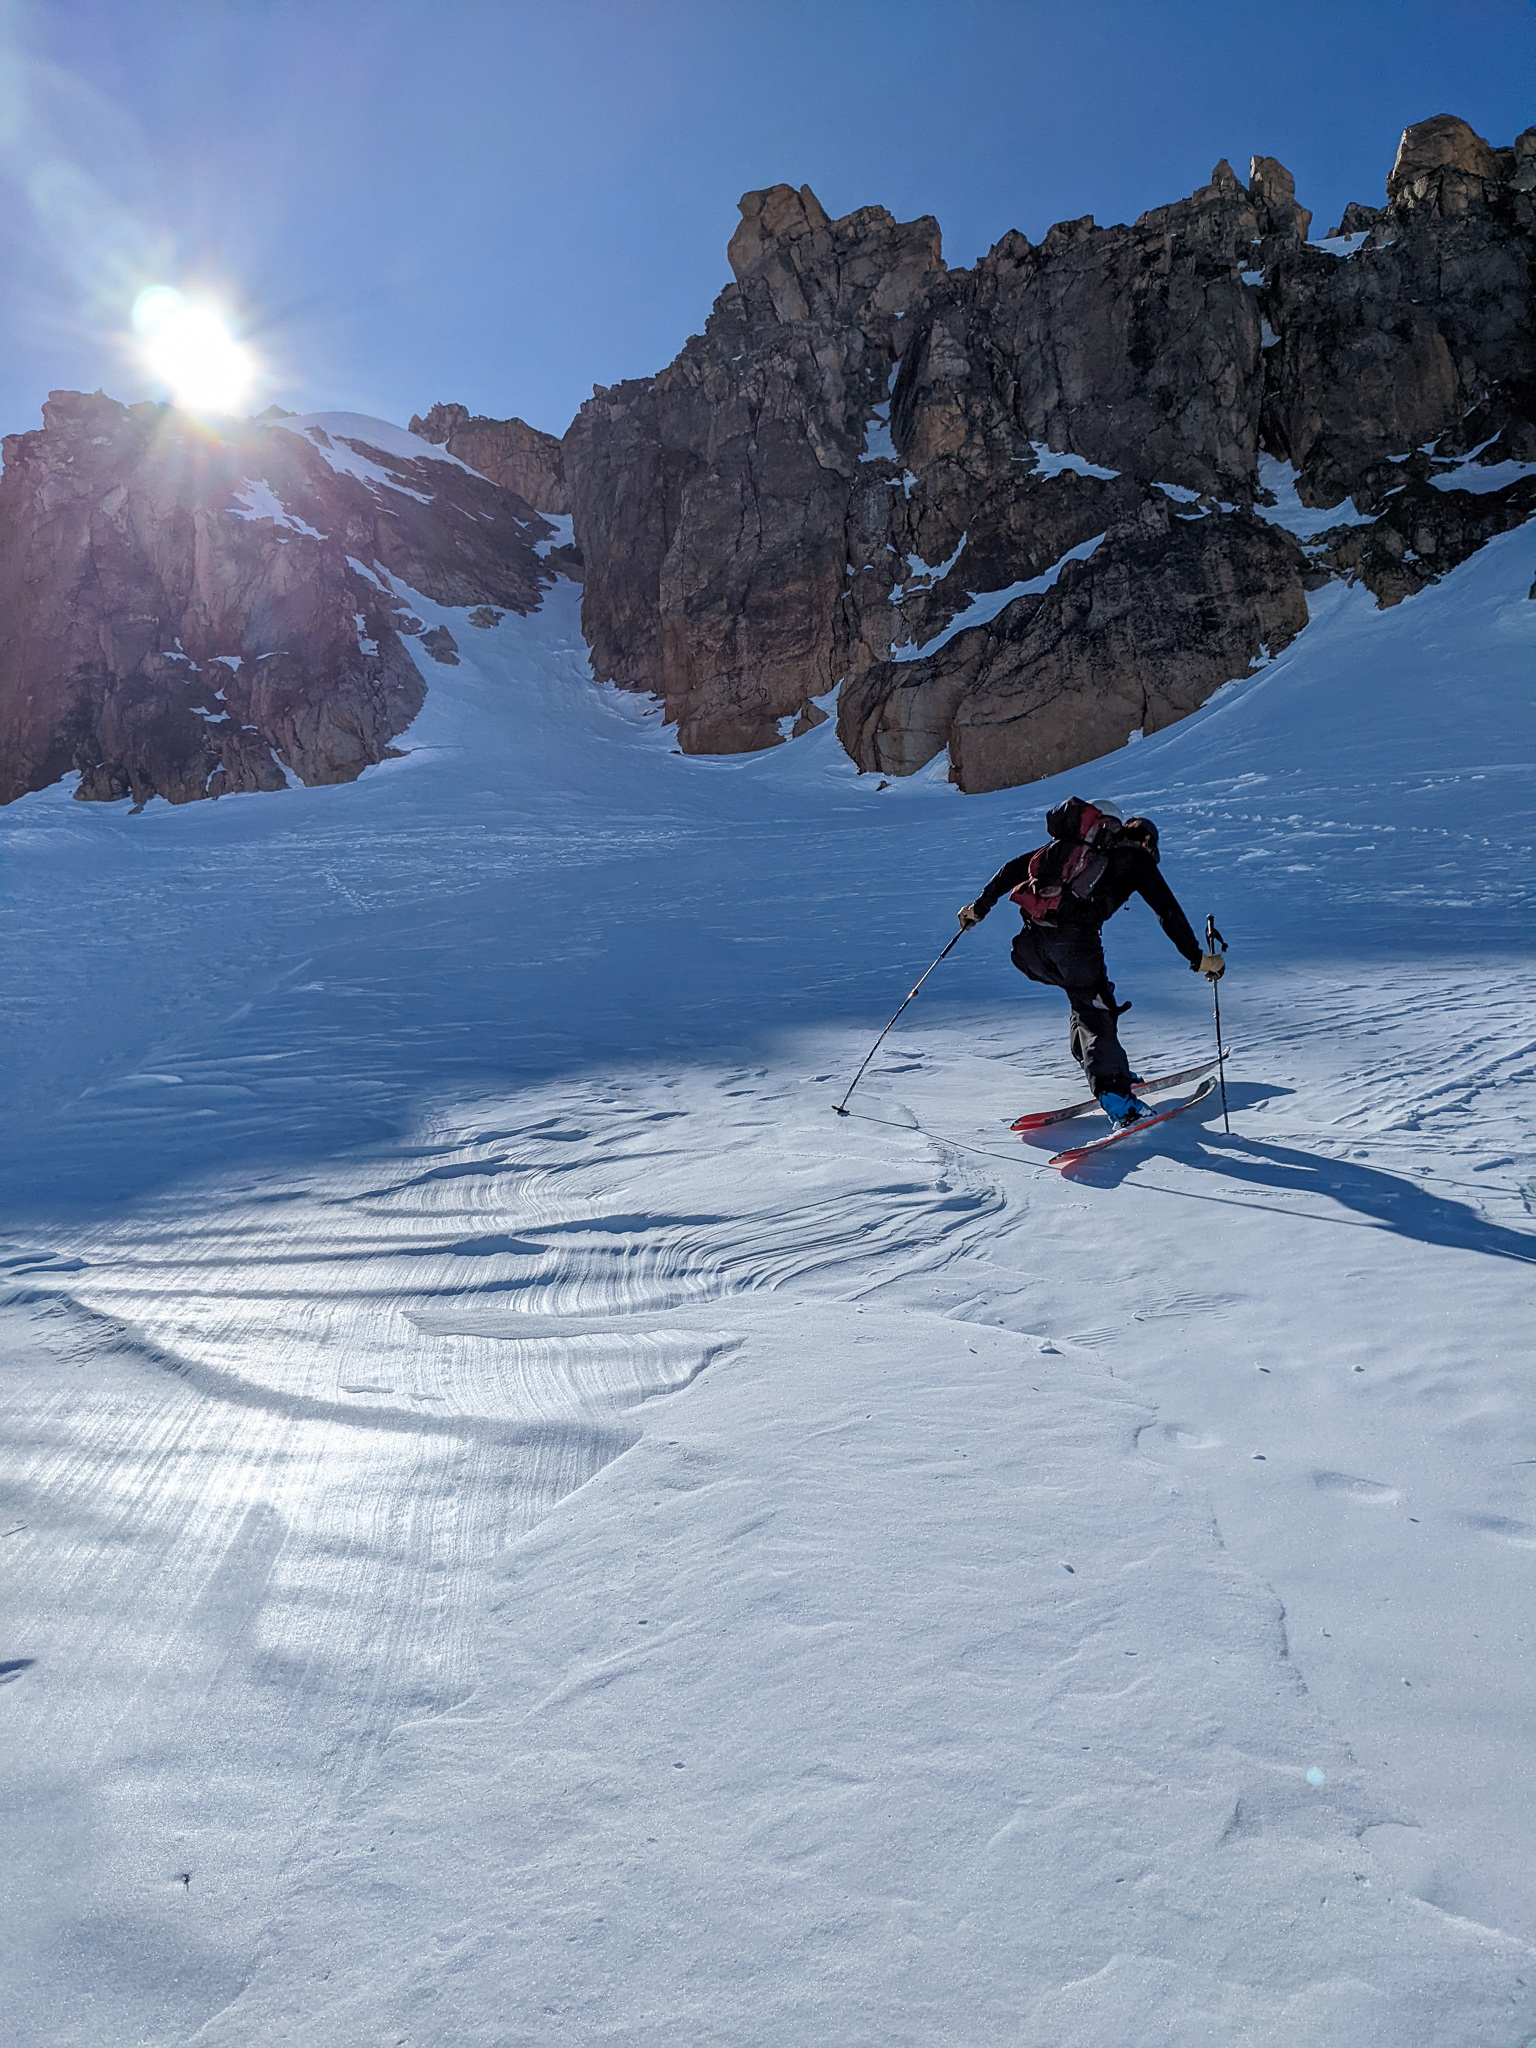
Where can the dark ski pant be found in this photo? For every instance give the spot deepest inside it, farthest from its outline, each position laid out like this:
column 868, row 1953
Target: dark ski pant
column 1073, row 959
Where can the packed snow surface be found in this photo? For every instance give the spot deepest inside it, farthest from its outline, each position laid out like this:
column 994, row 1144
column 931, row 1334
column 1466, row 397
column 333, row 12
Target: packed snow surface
column 256, row 499
column 332, row 435
column 923, row 575
column 877, row 436
column 1482, row 477
column 1305, row 521
column 1051, row 461
column 564, row 535
column 521, row 1526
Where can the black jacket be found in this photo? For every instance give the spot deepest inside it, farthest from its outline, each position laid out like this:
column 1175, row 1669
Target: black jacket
column 1132, row 871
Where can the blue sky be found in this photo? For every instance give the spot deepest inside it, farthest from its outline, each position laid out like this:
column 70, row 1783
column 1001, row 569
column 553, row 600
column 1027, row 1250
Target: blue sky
column 507, row 203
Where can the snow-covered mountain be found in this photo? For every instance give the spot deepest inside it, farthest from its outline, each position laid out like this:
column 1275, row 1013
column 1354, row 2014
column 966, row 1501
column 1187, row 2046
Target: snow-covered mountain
column 1009, row 515
column 522, row 1526
column 187, row 610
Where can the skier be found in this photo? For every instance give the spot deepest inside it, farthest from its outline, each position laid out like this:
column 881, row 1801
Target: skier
column 1096, row 861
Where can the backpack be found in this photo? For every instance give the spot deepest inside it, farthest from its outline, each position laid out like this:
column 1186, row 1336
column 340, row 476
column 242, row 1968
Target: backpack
column 1072, row 864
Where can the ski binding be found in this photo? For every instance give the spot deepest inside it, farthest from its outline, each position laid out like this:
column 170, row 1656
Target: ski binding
column 1147, row 1123
column 1037, row 1119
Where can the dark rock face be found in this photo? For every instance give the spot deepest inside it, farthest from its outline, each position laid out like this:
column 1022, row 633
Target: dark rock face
column 1398, row 345
column 509, row 452
column 711, row 502
column 1137, row 347
column 862, row 440
column 1423, row 531
column 179, row 615
column 1168, row 607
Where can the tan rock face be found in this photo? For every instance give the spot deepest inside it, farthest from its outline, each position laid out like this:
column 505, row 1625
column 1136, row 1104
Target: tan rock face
column 179, row 615
column 509, row 452
column 862, row 441
column 1442, row 167
column 1274, row 191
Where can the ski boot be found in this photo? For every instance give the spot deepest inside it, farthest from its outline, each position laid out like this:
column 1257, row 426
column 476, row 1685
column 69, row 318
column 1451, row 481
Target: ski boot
column 1122, row 1110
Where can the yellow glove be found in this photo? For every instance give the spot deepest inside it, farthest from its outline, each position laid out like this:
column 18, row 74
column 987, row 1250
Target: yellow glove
column 970, row 915
column 1211, row 965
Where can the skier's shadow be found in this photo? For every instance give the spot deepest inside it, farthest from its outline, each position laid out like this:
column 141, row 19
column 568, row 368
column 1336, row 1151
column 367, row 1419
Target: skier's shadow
column 1387, row 1201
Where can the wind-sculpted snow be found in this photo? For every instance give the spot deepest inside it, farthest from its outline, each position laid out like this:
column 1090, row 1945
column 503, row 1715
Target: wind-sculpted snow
column 523, row 1526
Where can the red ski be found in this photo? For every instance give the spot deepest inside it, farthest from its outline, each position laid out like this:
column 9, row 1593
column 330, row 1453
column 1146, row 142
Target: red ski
column 1147, row 1123
column 1036, row 1119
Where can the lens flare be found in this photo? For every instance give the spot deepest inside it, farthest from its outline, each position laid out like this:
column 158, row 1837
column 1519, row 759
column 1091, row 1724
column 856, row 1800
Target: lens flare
column 188, row 346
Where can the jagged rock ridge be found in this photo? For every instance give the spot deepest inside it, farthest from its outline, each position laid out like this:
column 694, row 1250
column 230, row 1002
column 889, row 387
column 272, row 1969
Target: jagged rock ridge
column 862, row 441
column 1013, row 513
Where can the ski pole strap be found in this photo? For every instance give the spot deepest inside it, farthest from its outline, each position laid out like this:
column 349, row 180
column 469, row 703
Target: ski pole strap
column 1214, row 942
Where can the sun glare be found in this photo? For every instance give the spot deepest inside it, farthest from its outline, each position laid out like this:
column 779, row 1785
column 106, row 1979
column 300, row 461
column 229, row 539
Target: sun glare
column 188, row 346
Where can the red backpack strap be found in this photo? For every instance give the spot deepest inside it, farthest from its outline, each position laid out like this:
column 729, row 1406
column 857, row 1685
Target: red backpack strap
column 1055, row 871
column 1040, row 892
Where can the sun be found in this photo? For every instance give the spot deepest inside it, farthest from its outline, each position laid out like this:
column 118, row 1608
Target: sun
column 187, row 344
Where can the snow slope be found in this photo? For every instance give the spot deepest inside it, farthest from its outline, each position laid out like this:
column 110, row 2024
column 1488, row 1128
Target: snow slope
column 522, row 1527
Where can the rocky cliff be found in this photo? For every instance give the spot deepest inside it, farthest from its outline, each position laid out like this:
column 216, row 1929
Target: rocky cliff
column 509, row 452
column 185, row 613
column 1012, row 513
column 871, row 473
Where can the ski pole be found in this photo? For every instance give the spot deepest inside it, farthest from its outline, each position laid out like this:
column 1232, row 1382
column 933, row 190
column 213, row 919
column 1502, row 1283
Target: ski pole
column 1215, row 943
column 841, row 1108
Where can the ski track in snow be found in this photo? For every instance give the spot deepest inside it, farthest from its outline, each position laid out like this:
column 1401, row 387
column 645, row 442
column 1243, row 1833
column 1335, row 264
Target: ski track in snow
column 521, row 1526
